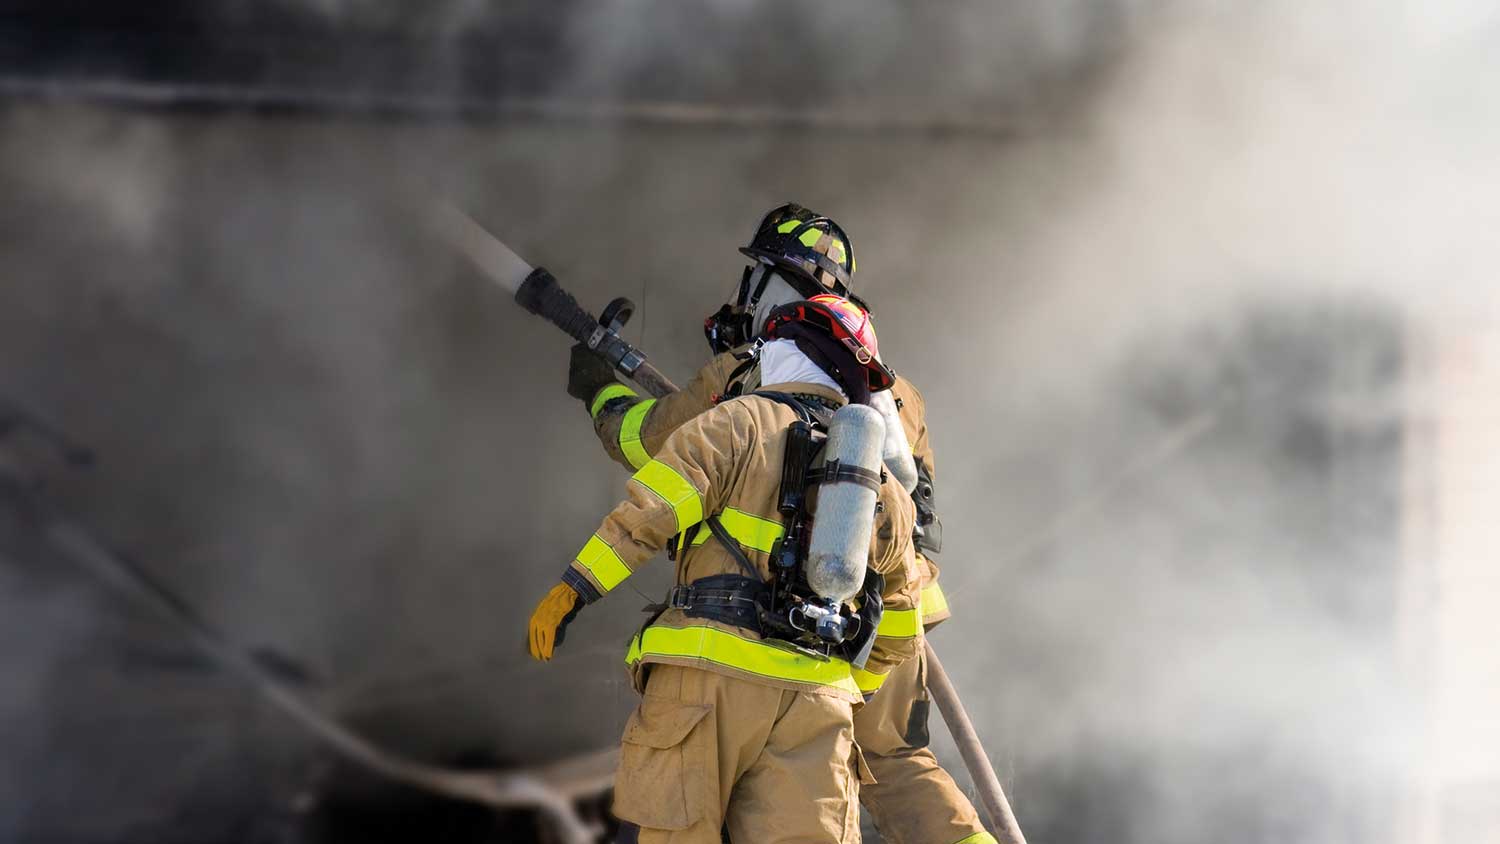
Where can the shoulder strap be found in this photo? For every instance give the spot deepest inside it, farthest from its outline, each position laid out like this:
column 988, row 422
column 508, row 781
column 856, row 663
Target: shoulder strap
column 812, row 414
column 735, row 386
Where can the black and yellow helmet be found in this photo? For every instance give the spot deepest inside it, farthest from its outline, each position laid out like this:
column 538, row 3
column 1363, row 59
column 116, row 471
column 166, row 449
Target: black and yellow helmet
column 808, row 248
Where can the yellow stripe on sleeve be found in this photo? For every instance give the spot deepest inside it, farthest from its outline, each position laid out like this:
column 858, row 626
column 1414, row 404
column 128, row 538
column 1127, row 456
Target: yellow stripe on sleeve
column 674, row 489
column 603, row 563
column 630, row 433
column 604, row 396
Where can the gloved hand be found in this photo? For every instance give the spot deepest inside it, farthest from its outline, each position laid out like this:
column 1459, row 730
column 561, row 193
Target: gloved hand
column 550, row 619
column 587, row 373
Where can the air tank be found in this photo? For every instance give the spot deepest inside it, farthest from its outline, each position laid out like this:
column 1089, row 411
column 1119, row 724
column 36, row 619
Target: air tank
column 839, row 547
column 896, row 450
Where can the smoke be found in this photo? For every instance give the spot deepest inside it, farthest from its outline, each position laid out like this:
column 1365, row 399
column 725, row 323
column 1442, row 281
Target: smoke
column 972, row 61
column 1271, row 207
column 126, row 194
column 1173, row 333
column 1242, row 153
column 65, row 620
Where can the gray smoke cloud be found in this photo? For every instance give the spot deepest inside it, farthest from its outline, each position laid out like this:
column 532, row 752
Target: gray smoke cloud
column 1174, row 334
column 1293, row 194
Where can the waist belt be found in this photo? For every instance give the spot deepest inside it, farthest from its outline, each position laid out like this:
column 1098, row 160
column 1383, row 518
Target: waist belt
column 727, row 598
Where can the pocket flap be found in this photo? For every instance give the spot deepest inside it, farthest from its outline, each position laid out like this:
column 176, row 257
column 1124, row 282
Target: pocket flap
column 661, row 782
column 862, row 770
column 663, row 723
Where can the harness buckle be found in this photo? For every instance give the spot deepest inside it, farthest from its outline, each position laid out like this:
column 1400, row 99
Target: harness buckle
column 680, row 597
column 753, row 352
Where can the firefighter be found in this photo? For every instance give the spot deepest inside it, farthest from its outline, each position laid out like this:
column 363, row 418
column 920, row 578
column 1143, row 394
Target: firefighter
column 746, row 718
column 796, row 253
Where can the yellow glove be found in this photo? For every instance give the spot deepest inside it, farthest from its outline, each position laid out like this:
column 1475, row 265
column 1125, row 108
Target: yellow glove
column 550, row 620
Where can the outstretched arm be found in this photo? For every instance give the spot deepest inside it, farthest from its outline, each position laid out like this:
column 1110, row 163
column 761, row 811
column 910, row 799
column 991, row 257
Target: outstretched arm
column 666, row 496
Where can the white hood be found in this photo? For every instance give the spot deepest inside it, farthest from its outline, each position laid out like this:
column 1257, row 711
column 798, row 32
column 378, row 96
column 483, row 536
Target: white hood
column 781, row 362
column 777, row 293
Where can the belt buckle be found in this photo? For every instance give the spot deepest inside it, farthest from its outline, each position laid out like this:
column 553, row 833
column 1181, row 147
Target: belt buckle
column 680, row 598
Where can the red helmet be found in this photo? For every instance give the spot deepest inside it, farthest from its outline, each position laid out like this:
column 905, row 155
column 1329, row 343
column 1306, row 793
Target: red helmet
column 838, row 336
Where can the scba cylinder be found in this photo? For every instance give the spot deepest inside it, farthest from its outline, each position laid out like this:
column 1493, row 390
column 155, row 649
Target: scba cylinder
column 896, row 451
column 839, row 547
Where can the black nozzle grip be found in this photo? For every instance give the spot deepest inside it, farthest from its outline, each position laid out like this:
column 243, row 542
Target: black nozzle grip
column 541, row 294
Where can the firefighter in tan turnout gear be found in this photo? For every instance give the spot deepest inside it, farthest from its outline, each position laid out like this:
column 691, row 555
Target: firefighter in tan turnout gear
column 790, row 545
column 795, row 254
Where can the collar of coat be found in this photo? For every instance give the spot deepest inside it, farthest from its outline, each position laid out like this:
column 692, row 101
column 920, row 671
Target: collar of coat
column 835, row 398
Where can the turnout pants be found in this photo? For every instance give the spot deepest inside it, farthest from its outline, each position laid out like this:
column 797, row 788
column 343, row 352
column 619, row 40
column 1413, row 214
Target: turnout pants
column 913, row 800
column 706, row 751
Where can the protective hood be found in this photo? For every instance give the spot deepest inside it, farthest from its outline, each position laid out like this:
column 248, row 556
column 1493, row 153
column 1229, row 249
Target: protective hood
column 781, row 362
column 777, row 293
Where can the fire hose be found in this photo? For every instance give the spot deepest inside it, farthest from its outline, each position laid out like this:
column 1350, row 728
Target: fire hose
column 536, row 290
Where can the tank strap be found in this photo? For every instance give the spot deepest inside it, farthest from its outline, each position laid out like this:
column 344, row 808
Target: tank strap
column 835, row 471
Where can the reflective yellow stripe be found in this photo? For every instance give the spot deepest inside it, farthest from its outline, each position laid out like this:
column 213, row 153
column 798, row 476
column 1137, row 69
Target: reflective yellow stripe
column 673, row 489
column 750, row 531
column 934, row 601
column 747, row 655
column 900, row 624
column 977, row 838
column 786, row 227
column 630, row 433
column 810, row 237
column 603, row 563
column 613, row 391
column 868, row 681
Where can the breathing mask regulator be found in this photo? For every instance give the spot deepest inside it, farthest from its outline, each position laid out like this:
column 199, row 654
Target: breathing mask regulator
column 734, row 324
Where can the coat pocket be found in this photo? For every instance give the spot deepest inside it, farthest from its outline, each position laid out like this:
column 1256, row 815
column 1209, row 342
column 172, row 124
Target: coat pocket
column 663, row 768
